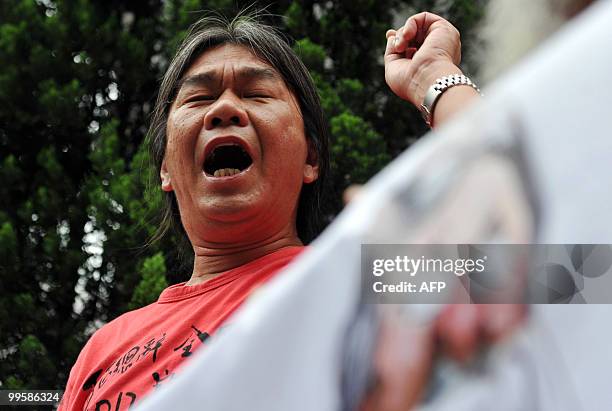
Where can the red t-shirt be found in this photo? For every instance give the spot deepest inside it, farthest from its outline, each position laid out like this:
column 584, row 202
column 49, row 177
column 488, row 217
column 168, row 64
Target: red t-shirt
column 142, row 349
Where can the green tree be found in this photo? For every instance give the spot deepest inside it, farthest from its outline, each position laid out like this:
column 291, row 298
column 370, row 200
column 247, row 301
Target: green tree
column 77, row 84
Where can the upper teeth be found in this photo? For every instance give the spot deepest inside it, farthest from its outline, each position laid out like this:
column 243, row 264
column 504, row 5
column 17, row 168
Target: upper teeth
column 224, row 172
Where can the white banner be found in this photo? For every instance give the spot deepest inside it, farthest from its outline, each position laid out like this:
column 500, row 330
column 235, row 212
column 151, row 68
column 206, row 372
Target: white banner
column 532, row 162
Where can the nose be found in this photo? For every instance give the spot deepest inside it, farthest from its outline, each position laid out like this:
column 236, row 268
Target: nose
column 226, row 111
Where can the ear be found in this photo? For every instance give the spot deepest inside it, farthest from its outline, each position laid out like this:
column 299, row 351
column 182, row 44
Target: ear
column 166, row 184
column 311, row 167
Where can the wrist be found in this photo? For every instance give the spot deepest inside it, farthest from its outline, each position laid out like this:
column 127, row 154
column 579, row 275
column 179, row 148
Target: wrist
column 426, row 75
column 447, row 86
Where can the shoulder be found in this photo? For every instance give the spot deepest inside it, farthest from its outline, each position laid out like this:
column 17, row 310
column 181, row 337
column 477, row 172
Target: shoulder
column 95, row 351
column 117, row 327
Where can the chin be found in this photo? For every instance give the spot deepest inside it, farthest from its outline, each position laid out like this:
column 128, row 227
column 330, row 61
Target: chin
column 228, row 210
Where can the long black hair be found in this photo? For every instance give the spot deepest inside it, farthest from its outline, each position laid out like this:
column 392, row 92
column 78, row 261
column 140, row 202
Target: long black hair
column 267, row 43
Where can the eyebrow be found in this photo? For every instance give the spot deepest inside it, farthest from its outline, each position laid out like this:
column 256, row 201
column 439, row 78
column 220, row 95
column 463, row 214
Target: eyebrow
column 211, row 77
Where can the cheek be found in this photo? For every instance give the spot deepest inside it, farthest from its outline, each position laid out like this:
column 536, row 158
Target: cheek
column 293, row 151
column 286, row 151
column 294, row 145
column 182, row 131
column 287, row 135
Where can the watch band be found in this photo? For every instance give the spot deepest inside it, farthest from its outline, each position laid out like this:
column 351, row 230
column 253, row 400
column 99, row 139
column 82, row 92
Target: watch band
column 437, row 89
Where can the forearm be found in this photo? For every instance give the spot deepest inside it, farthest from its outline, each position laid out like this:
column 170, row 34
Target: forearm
column 452, row 102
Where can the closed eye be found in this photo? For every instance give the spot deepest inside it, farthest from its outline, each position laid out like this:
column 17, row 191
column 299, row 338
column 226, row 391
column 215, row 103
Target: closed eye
column 200, row 97
column 256, row 95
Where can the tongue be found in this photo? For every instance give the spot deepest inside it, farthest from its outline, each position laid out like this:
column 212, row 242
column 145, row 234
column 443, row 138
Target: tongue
column 226, row 172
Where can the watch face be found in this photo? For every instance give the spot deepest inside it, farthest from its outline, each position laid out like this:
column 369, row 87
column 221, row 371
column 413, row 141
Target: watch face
column 429, row 102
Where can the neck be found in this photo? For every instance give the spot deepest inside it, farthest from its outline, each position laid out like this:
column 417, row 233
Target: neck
column 213, row 259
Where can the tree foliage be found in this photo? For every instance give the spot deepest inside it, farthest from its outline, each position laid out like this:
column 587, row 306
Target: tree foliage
column 77, row 85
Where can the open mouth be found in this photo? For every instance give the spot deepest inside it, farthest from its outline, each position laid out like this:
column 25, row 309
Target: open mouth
column 227, row 160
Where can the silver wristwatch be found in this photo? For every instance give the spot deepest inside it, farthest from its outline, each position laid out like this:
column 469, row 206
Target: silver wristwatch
column 435, row 91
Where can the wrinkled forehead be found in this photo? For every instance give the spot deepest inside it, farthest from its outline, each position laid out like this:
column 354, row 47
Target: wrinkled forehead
column 235, row 60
